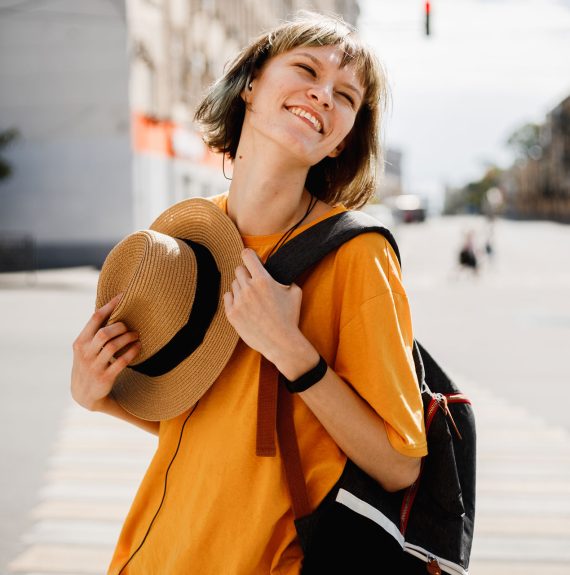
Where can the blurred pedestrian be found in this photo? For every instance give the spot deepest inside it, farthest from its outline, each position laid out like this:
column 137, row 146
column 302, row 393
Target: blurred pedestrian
column 490, row 240
column 298, row 113
column 467, row 257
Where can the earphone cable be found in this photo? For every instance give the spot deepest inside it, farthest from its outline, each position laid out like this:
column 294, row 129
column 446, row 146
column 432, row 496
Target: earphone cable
column 163, row 493
column 312, row 203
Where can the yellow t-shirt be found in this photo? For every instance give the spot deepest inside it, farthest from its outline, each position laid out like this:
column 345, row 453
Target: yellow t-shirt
column 227, row 511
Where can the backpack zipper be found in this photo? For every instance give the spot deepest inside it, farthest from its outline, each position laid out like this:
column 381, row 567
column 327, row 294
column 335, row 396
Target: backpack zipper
column 441, row 401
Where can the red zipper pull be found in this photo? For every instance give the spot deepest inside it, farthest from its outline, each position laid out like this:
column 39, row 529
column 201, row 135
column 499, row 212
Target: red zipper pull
column 433, row 567
column 442, row 402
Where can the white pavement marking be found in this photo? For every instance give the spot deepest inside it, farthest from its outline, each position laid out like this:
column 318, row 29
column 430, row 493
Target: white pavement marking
column 62, row 560
column 96, row 467
column 522, row 523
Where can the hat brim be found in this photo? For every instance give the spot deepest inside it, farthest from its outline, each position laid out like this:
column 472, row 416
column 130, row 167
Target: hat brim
column 169, row 395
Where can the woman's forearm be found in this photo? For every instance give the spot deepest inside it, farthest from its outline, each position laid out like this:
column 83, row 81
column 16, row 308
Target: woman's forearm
column 355, row 427
column 360, row 432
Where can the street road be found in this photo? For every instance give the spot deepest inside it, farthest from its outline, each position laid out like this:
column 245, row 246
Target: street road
column 507, row 329
column 64, row 490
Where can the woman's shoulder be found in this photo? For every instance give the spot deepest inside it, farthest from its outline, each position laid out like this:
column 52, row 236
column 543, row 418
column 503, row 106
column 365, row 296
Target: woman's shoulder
column 366, row 247
column 369, row 244
column 368, row 258
column 366, row 252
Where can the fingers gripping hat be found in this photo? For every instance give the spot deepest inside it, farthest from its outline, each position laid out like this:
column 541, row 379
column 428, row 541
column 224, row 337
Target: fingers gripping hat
column 173, row 277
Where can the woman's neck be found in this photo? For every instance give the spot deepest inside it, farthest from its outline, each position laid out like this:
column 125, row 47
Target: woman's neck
column 266, row 197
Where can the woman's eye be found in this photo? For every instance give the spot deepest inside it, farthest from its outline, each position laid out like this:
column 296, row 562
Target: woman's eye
column 348, row 98
column 307, row 69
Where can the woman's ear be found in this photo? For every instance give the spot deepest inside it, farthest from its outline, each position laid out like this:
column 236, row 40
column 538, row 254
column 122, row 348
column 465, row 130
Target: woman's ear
column 338, row 150
column 247, row 90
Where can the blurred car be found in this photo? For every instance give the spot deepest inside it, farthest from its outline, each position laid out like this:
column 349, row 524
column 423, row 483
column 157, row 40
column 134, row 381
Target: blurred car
column 407, row 208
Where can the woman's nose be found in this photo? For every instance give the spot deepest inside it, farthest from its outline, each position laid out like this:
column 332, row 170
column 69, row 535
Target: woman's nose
column 322, row 94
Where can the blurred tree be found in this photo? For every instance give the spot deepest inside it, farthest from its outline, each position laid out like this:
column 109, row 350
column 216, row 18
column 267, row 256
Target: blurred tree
column 7, row 137
column 473, row 195
column 526, row 142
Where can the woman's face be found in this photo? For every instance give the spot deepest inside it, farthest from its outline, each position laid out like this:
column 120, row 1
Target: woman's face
column 303, row 101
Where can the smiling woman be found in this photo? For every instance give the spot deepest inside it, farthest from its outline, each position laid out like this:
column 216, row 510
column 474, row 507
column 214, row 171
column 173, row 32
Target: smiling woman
column 298, row 113
column 305, row 87
column 350, row 180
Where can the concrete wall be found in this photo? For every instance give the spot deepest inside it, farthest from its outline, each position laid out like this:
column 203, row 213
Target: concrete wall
column 64, row 86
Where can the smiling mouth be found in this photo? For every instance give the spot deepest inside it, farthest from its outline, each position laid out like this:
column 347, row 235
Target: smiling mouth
column 304, row 114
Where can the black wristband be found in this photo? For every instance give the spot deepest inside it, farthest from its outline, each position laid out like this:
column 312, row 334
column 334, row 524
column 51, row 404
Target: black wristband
column 308, row 379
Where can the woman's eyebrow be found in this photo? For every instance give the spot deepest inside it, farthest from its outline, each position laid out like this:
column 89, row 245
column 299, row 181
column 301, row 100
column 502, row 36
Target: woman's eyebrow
column 318, row 63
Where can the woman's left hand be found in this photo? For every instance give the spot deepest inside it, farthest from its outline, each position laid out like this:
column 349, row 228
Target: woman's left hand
column 264, row 312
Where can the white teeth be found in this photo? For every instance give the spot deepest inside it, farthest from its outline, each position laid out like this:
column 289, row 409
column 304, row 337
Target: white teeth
column 305, row 114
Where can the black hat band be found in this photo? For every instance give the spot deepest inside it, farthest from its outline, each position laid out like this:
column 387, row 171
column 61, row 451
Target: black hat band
column 191, row 335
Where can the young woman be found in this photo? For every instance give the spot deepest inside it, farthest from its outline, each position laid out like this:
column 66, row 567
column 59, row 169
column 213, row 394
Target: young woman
column 298, row 114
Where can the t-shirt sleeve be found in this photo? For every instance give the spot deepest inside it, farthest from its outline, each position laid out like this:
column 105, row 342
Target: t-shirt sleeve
column 374, row 354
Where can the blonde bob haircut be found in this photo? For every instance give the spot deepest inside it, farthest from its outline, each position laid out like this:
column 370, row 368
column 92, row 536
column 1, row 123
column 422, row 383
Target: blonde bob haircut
column 350, row 178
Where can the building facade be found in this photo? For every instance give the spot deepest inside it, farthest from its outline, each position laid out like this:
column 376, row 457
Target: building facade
column 538, row 186
column 64, row 87
column 390, row 181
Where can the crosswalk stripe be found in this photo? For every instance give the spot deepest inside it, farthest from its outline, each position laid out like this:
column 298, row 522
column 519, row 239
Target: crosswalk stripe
column 93, row 474
column 522, row 524
column 62, row 559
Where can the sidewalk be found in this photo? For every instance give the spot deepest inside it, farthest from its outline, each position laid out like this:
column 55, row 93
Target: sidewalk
column 522, row 524
column 523, row 507
column 96, row 466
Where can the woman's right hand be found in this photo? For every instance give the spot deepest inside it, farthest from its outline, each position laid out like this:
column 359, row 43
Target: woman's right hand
column 100, row 353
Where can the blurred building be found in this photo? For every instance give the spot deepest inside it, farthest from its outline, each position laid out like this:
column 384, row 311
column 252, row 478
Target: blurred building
column 539, row 184
column 64, row 87
column 390, row 183
column 178, row 48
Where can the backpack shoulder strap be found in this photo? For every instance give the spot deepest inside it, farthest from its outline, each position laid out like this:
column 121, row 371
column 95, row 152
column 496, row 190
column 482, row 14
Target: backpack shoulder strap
column 305, row 250
column 285, row 266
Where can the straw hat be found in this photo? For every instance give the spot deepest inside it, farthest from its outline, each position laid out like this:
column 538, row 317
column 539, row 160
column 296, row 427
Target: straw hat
column 168, row 276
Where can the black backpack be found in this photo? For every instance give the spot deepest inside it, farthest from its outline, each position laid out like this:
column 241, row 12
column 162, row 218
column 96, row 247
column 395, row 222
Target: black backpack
column 359, row 527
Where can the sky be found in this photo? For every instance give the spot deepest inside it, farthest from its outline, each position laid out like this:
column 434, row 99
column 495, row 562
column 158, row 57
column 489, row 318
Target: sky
column 489, row 67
